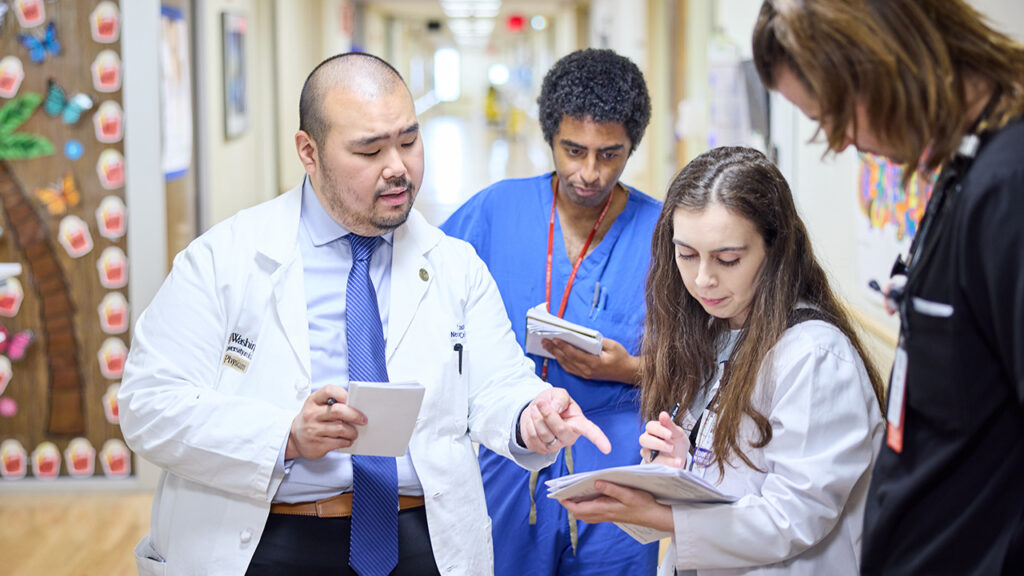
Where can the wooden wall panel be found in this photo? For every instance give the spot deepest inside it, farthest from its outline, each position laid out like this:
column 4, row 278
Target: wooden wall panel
column 58, row 386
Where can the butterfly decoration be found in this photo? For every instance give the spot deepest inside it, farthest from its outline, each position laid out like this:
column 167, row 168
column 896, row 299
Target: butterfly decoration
column 61, row 196
column 16, row 345
column 58, row 104
column 38, row 46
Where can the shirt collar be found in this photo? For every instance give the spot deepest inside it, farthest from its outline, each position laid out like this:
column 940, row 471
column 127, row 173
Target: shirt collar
column 322, row 228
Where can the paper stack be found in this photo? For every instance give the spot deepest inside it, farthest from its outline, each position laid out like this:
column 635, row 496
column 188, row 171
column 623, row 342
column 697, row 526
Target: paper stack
column 542, row 325
column 667, row 485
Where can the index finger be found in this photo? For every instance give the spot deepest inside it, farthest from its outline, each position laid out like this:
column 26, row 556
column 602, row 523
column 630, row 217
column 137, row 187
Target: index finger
column 592, row 432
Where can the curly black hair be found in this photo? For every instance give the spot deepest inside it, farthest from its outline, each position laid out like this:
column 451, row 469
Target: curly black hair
column 598, row 84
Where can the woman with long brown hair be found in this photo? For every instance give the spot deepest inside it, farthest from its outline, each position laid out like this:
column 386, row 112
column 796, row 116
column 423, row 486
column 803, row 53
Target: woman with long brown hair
column 780, row 410
column 928, row 83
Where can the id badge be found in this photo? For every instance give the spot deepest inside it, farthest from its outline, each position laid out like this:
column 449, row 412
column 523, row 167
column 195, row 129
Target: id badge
column 897, row 402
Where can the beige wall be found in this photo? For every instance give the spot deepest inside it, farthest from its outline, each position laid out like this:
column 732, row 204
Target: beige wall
column 302, row 39
column 241, row 172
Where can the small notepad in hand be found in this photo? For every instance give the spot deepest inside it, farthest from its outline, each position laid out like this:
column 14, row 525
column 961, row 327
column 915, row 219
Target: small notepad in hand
column 391, row 409
column 542, row 325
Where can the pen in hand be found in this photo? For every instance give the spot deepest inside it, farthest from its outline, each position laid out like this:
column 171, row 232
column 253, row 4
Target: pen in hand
column 893, row 294
column 672, row 416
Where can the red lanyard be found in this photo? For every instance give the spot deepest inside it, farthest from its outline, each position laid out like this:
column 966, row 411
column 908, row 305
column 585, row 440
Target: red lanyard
column 575, row 267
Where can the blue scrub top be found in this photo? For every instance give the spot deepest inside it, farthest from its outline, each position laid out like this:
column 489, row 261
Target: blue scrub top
column 507, row 223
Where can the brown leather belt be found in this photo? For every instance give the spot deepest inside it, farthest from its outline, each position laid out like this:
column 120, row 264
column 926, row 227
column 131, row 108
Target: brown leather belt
column 339, row 506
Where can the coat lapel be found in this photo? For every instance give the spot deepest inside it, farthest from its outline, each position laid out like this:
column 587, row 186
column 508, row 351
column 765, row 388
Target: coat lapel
column 277, row 256
column 411, row 275
column 290, row 304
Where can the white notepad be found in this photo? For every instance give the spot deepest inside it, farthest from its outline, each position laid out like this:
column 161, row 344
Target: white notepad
column 542, row 325
column 391, row 409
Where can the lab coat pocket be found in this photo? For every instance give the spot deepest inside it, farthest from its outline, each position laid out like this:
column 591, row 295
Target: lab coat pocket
column 934, row 389
column 147, row 560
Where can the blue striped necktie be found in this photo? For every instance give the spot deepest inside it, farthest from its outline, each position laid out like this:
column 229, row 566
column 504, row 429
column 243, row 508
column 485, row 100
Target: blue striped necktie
column 373, row 547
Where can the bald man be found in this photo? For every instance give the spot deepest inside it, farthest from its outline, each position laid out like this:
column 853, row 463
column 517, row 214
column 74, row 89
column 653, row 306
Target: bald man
column 237, row 380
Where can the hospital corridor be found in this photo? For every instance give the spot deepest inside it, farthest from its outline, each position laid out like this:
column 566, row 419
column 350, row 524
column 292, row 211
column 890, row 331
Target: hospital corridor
column 133, row 131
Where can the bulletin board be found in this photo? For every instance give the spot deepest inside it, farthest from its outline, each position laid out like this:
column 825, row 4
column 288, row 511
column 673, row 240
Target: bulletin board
column 64, row 311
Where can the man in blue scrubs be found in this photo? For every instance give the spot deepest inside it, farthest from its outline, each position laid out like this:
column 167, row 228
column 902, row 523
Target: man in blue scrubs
column 579, row 240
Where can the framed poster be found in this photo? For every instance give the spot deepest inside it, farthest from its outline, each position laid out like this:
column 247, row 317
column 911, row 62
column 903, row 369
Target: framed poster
column 236, row 97
column 176, row 88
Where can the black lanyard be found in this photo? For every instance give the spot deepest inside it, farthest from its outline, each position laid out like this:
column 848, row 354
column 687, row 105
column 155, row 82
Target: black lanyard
column 948, row 183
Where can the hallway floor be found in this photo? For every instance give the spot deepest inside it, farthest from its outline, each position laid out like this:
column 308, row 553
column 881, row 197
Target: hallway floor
column 464, row 155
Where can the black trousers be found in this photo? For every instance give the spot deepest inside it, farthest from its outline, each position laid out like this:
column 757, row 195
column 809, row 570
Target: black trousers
column 313, row 546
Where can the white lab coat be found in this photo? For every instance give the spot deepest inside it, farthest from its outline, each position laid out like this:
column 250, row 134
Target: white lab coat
column 217, row 432
column 803, row 514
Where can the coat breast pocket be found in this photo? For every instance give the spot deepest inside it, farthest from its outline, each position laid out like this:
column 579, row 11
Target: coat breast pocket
column 935, row 390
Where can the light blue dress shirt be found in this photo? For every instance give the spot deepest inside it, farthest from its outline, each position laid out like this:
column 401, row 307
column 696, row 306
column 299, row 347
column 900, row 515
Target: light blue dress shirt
column 326, row 262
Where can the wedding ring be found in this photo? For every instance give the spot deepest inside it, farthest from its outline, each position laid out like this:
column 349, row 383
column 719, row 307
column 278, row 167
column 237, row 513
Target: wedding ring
column 552, row 443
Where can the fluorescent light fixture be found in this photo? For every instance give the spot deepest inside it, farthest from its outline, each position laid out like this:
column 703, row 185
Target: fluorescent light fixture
column 471, row 8
column 498, row 74
column 446, row 74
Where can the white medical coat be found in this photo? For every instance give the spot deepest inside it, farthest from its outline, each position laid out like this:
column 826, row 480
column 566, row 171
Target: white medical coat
column 802, row 514
column 217, row 431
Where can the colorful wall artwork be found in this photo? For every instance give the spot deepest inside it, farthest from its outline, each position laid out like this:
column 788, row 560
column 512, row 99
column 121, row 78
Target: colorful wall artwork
column 889, row 215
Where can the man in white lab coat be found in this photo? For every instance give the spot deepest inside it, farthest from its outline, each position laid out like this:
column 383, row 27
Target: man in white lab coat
column 236, row 381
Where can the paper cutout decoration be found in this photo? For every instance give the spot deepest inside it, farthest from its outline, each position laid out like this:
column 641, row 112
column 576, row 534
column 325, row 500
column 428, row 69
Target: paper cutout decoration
column 8, row 407
column 73, row 149
column 107, row 122
column 13, row 460
column 112, row 355
column 11, row 75
column 39, row 46
column 73, row 235
column 19, row 344
column 113, row 311
column 30, row 13
column 115, row 459
column 80, row 458
column 110, row 403
column 105, row 23
column 110, row 217
column 60, row 196
column 15, row 346
column 46, row 461
column 113, row 268
column 58, row 103
column 110, row 169
column 106, row 72
column 11, row 295
column 6, row 373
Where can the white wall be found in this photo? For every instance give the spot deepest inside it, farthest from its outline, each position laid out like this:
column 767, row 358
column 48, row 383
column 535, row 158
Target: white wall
column 1007, row 16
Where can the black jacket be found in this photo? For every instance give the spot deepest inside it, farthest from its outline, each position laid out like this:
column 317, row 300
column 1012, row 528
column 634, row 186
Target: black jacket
column 953, row 501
